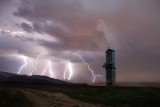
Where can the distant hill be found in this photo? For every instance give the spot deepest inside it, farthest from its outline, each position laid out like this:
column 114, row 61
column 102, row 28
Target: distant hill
column 6, row 74
column 9, row 78
column 33, row 80
column 137, row 84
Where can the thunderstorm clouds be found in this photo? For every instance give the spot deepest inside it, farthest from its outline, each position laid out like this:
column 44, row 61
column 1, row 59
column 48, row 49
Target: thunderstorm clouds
column 50, row 37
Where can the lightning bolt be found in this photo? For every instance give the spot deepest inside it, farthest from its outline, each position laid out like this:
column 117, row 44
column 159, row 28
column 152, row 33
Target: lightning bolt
column 93, row 75
column 64, row 75
column 49, row 67
column 70, row 69
column 37, row 59
column 44, row 70
column 24, row 65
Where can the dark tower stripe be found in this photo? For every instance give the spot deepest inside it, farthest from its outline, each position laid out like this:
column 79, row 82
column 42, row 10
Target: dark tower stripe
column 110, row 67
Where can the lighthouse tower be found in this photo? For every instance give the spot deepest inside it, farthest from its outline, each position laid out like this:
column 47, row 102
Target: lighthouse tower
column 110, row 67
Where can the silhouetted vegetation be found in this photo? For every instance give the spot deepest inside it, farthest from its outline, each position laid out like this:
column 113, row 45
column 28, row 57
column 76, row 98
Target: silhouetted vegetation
column 107, row 96
column 13, row 98
column 120, row 96
column 112, row 96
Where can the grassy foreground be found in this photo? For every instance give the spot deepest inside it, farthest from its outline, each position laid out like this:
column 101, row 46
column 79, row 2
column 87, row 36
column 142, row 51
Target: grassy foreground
column 107, row 96
column 113, row 96
column 120, row 96
column 10, row 97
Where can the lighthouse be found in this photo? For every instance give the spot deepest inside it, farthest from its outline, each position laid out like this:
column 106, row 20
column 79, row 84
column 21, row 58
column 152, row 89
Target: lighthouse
column 110, row 67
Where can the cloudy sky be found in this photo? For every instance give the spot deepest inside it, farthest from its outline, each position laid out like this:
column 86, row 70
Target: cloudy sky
column 42, row 37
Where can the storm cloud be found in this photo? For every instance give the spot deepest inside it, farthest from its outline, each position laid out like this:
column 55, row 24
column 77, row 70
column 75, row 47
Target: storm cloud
column 87, row 27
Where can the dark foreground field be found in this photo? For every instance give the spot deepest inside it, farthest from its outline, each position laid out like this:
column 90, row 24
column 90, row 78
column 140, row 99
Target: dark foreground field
column 11, row 97
column 57, row 96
